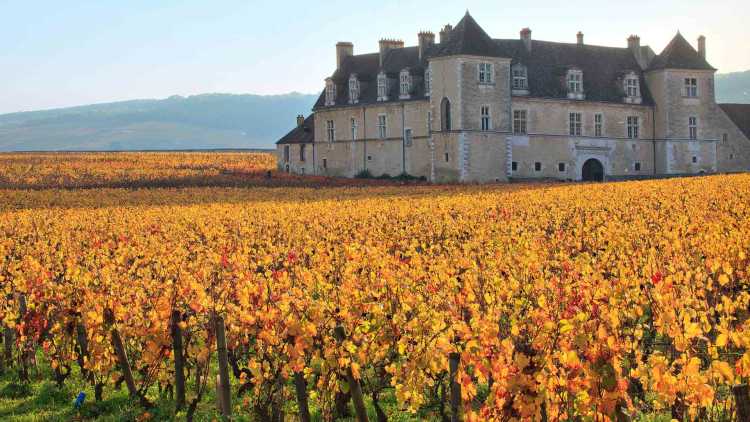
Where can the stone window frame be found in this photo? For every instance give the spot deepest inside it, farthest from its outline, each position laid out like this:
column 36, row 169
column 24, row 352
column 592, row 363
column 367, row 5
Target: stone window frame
column 574, row 84
column 302, row 153
column 520, row 121
column 514, row 166
column 633, row 127
column 485, row 117
column 354, row 128
column 428, row 81
column 691, row 88
column 382, row 87
column 408, row 136
column 331, row 131
column 632, row 87
column 325, row 163
column 330, row 92
column 725, row 138
column 486, row 73
column 693, row 128
column 520, row 77
column 404, row 84
column 562, row 167
column 429, row 122
column 286, row 153
column 538, row 168
column 575, row 123
column 382, row 126
column 695, row 159
column 353, row 89
column 637, row 166
column 599, row 125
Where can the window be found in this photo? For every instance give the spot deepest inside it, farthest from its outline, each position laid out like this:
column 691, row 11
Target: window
column 731, row 156
column 633, row 128
column 485, row 73
column 693, row 127
column 637, row 166
column 353, row 89
column 520, row 77
column 447, row 157
column 561, row 167
column 428, row 82
column 382, row 87
column 382, row 126
column 330, row 92
column 691, row 87
column 355, row 126
column 302, row 152
column 330, row 131
column 369, row 158
column 286, row 153
column 445, row 115
column 519, row 122
column 537, row 166
column 575, row 82
column 575, row 124
column 598, row 125
column 725, row 138
column 695, row 159
column 514, row 166
column 405, row 84
column 325, row 163
column 408, row 137
column 429, row 122
column 632, row 86
column 486, row 121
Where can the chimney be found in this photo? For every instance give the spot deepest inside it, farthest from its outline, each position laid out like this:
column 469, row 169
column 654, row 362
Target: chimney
column 426, row 40
column 300, row 120
column 388, row 44
column 526, row 38
column 445, row 33
column 702, row 46
column 343, row 50
column 579, row 37
column 634, row 43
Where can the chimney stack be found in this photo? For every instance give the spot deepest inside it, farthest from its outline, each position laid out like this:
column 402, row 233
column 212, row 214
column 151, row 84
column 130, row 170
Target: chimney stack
column 634, row 43
column 526, row 38
column 300, row 120
column 702, row 46
column 388, row 44
column 445, row 33
column 343, row 50
column 579, row 37
column 426, row 40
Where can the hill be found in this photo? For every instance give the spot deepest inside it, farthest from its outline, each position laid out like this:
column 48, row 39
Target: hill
column 209, row 121
column 733, row 87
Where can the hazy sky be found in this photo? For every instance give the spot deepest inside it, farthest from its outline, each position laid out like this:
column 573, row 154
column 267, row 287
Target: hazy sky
column 56, row 53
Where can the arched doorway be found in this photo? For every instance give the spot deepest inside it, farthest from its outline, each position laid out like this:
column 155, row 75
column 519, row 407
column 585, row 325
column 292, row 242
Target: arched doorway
column 593, row 171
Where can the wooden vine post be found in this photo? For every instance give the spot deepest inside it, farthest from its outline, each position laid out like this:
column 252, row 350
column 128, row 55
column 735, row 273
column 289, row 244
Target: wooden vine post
column 83, row 348
column 122, row 357
column 179, row 364
column 223, row 387
column 454, row 359
column 354, row 387
column 742, row 401
column 300, row 387
column 8, row 352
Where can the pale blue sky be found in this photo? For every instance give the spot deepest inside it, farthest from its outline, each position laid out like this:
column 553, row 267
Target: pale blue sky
column 56, row 53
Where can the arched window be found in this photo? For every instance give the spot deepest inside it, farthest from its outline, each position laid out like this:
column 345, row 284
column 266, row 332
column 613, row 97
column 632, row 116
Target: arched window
column 330, row 92
column 445, row 114
column 353, row 89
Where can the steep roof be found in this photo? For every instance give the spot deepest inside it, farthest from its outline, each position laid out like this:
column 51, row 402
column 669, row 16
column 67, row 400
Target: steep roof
column 679, row 54
column 301, row 134
column 740, row 115
column 468, row 38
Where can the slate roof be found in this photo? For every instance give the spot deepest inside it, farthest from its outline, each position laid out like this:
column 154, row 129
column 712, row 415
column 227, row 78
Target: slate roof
column 679, row 54
column 740, row 115
column 301, row 134
column 470, row 39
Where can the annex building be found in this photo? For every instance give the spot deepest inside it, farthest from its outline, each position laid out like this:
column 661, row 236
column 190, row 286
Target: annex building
column 471, row 108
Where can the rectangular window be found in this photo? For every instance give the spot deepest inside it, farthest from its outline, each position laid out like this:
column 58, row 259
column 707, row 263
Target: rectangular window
column 354, row 128
column 302, row 152
column 598, row 125
column 633, row 128
column 330, row 131
column 631, row 86
column 693, row 127
column 408, row 137
column 575, row 124
column 447, row 157
column 486, row 121
column 429, row 122
column 725, row 138
column 514, row 166
column 637, row 166
column 561, row 167
column 382, row 126
column 575, row 82
column 695, row 159
column 325, row 163
column 519, row 78
column 382, row 88
column 485, row 73
column 537, row 166
column 369, row 158
column 691, row 87
column 519, row 122
column 428, row 82
column 286, row 153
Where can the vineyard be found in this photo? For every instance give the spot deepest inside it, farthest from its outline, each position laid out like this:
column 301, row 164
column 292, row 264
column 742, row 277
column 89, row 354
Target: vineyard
column 568, row 302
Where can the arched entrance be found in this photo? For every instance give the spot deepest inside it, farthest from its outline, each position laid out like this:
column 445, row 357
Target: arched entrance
column 593, row 171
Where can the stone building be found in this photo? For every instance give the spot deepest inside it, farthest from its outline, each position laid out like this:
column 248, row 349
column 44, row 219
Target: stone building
column 470, row 108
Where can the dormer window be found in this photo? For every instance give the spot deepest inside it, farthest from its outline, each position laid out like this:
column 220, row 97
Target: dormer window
column 428, row 82
column 575, row 84
column 486, row 74
column 520, row 78
column 632, row 87
column 353, row 89
column 382, row 87
column 405, row 84
column 330, row 92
